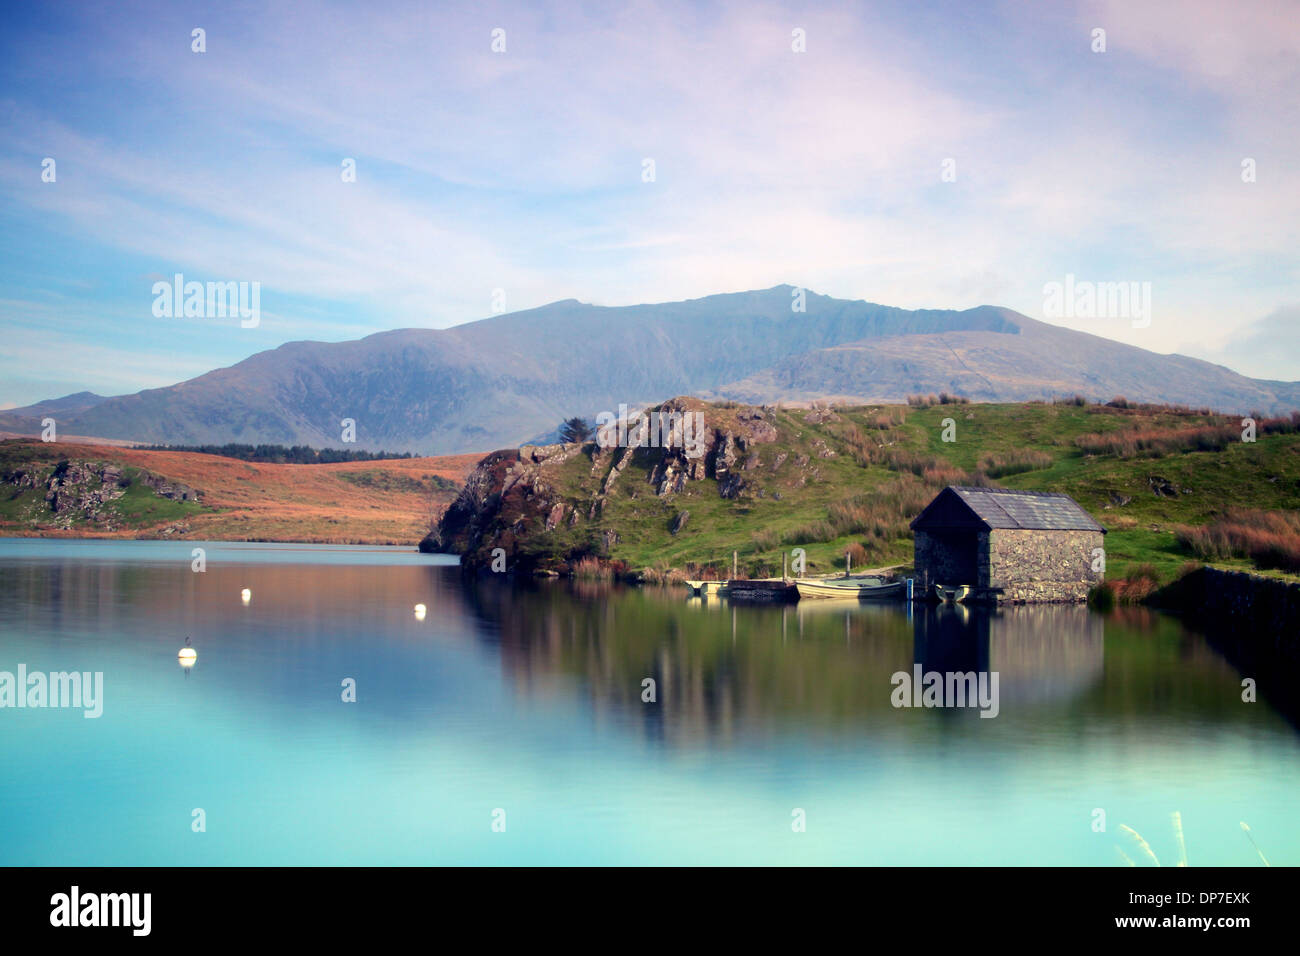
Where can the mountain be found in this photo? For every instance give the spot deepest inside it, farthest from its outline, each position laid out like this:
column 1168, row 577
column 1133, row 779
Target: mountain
column 1038, row 361
column 503, row 380
column 65, row 406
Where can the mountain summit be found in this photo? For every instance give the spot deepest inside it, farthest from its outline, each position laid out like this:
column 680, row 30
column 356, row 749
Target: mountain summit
column 507, row 379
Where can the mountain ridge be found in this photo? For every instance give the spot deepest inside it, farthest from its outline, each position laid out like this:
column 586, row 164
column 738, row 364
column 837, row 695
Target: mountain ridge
column 502, row 380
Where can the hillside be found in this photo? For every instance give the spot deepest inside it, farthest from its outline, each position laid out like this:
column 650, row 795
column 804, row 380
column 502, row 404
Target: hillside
column 78, row 490
column 831, row 480
column 508, row 379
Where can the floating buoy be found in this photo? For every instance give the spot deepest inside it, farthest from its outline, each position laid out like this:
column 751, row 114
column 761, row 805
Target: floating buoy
column 246, row 595
column 420, row 611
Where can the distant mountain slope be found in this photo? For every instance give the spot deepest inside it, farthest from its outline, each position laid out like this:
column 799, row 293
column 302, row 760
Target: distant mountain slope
column 65, row 406
column 500, row 381
column 1042, row 361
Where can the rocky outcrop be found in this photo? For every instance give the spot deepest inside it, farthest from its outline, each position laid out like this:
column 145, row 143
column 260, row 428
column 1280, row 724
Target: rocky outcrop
column 166, row 488
column 80, row 492
column 510, row 500
column 506, row 498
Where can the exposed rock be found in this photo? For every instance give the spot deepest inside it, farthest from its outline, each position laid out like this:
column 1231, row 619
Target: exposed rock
column 166, row 488
column 1162, row 487
column 622, row 458
column 724, row 458
column 679, row 522
column 757, row 427
column 510, row 497
column 83, row 491
column 732, row 486
column 537, row 454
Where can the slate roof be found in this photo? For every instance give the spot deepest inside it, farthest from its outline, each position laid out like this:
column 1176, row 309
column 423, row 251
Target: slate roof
column 997, row 508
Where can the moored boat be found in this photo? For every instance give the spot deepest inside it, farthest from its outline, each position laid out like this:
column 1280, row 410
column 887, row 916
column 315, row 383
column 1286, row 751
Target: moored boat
column 704, row 588
column 950, row 594
column 856, row 589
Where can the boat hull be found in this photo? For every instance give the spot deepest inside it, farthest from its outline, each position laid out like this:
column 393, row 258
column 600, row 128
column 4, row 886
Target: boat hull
column 822, row 590
column 948, row 594
column 705, row 588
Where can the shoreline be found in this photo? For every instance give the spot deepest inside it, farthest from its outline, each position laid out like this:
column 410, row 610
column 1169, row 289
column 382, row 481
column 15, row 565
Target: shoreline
column 128, row 536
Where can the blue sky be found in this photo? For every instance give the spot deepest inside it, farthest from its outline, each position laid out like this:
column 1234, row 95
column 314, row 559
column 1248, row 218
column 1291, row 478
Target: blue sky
column 522, row 170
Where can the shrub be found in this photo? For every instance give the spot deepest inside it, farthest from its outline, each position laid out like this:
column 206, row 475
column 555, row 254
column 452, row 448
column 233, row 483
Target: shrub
column 1102, row 597
column 1269, row 539
column 662, row 575
column 1014, row 462
column 1136, row 585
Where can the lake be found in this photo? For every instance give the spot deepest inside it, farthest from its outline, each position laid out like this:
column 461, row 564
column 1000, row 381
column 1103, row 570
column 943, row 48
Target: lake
column 508, row 725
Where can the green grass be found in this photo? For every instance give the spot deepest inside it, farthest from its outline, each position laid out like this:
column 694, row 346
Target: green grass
column 141, row 505
column 1116, row 490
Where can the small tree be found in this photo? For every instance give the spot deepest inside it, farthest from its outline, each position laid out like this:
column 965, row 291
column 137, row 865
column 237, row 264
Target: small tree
column 575, row 429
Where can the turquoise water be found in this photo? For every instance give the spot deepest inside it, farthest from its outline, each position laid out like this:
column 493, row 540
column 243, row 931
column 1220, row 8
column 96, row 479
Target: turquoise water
column 529, row 700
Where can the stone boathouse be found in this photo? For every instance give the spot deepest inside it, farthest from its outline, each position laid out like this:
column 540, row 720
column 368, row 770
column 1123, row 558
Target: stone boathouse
column 1011, row 547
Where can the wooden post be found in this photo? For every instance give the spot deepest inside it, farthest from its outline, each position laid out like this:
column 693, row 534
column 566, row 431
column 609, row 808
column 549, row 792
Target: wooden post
column 734, row 559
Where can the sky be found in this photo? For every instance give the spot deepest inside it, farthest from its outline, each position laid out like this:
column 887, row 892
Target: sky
column 508, row 178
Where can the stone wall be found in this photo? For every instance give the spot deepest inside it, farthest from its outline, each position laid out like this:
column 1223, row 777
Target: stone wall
column 1020, row 566
column 1261, row 613
column 938, row 562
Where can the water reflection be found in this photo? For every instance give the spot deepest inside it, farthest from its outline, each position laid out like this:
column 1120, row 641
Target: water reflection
column 529, row 695
column 722, row 670
column 719, row 670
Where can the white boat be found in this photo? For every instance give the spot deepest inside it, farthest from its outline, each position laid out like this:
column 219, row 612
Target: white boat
column 854, row 589
column 704, row 588
column 949, row 594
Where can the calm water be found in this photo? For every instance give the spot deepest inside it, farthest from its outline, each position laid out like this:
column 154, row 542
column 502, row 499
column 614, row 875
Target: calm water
column 529, row 700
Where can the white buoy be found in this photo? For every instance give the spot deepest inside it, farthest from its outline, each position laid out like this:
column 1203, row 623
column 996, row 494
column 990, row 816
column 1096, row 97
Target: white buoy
column 420, row 611
column 246, row 595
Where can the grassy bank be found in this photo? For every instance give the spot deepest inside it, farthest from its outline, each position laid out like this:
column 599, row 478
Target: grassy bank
column 850, row 479
column 358, row 502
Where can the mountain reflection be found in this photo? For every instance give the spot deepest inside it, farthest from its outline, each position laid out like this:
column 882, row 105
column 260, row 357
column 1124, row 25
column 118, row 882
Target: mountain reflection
column 721, row 672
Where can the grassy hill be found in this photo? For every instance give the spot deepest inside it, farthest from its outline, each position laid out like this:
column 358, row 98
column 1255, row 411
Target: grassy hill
column 127, row 492
column 851, row 478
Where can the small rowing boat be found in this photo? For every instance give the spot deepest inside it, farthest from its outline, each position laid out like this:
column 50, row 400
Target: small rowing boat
column 948, row 594
column 705, row 588
column 857, row 589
